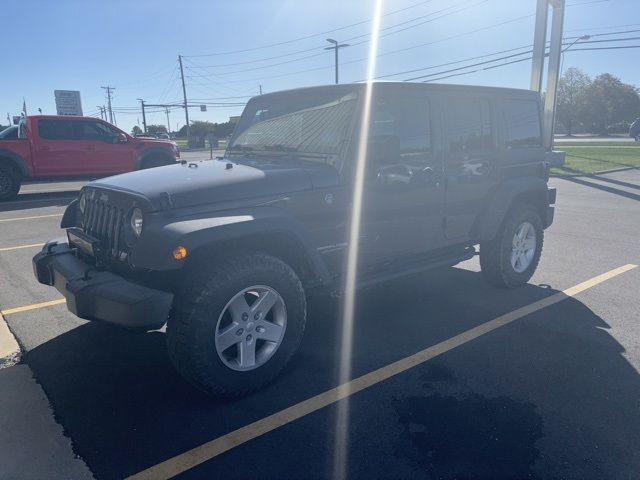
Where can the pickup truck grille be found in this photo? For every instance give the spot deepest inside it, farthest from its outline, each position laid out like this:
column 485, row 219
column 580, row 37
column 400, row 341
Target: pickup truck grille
column 103, row 221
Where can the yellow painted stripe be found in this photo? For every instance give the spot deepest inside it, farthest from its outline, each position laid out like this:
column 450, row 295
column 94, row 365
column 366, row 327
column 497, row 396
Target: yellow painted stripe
column 8, row 249
column 34, row 306
column 196, row 456
column 30, row 218
column 9, row 348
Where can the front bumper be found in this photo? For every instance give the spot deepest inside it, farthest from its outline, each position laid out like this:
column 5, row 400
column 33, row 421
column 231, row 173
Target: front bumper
column 99, row 295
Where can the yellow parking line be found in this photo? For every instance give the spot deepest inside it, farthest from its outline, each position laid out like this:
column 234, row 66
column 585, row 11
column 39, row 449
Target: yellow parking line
column 31, row 218
column 8, row 249
column 34, row 306
column 198, row 455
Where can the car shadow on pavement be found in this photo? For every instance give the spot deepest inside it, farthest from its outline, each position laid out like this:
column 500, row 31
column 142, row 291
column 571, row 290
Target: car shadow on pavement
column 548, row 396
column 605, row 188
column 36, row 201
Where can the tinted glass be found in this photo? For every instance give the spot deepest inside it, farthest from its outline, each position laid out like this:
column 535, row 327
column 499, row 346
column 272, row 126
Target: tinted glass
column 469, row 125
column 96, row 131
column 522, row 124
column 399, row 131
column 56, row 129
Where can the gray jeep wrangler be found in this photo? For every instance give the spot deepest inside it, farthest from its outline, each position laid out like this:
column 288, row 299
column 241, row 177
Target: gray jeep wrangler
column 225, row 252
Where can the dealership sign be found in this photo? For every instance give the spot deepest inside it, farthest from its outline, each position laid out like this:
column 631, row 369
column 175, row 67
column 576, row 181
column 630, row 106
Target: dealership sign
column 68, row 102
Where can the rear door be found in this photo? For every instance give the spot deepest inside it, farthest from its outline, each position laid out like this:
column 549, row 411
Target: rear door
column 105, row 154
column 56, row 152
column 471, row 160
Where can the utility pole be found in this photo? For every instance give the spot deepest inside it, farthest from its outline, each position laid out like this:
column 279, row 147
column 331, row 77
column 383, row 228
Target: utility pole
column 260, row 89
column 537, row 66
column 336, row 46
column 109, row 90
column 166, row 110
column 101, row 112
column 184, row 94
column 144, row 117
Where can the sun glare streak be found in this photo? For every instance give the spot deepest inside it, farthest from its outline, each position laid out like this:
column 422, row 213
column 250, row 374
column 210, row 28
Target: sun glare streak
column 340, row 458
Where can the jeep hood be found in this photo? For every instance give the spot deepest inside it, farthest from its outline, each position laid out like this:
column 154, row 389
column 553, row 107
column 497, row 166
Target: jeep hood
column 213, row 181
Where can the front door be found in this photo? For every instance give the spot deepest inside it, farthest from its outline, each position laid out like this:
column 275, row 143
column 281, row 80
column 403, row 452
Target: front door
column 105, row 154
column 403, row 193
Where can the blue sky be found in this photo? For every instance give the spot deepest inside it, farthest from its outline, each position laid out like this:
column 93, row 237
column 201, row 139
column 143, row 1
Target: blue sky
column 133, row 46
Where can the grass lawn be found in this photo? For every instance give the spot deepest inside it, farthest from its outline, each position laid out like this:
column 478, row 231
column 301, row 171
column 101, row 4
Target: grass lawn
column 592, row 158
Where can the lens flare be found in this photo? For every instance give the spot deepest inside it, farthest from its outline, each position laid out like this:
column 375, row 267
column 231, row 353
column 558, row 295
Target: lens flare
column 340, row 454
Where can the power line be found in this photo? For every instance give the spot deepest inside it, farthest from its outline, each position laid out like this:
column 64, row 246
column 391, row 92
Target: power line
column 326, row 32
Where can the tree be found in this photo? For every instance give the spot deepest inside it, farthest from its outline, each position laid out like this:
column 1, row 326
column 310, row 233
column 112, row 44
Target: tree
column 202, row 129
column 572, row 99
column 136, row 130
column 611, row 103
column 223, row 130
column 154, row 129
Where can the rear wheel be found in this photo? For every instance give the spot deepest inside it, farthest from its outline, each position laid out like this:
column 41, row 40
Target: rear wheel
column 9, row 182
column 236, row 324
column 511, row 258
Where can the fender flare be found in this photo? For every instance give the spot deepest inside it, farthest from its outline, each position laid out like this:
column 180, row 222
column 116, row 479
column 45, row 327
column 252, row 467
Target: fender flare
column 498, row 204
column 159, row 238
column 16, row 160
column 154, row 152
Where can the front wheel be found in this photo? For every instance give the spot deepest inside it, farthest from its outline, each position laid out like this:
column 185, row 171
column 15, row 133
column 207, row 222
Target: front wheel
column 9, row 182
column 511, row 258
column 236, row 324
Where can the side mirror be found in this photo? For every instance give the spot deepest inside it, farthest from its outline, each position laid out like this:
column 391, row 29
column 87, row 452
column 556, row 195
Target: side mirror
column 122, row 138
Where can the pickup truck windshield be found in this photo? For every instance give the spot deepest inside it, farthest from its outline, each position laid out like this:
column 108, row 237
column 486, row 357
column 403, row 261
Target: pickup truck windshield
column 307, row 123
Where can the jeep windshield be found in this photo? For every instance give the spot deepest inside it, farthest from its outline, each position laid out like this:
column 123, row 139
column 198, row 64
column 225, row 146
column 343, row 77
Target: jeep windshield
column 314, row 124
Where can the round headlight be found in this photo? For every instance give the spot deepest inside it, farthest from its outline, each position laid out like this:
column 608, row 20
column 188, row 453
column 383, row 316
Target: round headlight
column 136, row 221
column 82, row 202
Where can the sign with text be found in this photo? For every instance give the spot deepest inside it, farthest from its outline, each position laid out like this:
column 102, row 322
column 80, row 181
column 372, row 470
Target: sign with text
column 68, row 102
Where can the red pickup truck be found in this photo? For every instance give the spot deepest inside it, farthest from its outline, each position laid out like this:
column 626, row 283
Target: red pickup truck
column 44, row 146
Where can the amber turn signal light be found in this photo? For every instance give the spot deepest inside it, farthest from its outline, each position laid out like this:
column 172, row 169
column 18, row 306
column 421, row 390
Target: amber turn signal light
column 179, row 252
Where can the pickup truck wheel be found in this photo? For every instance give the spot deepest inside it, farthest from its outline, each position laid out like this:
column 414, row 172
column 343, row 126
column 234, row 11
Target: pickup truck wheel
column 510, row 259
column 236, row 323
column 9, row 182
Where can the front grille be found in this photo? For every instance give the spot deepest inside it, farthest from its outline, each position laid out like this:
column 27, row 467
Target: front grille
column 103, row 221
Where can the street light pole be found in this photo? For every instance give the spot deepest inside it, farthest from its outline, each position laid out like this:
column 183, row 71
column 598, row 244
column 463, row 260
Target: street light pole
column 336, row 46
column 583, row 37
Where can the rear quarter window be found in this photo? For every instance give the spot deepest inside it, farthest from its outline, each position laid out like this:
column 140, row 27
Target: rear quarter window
column 522, row 124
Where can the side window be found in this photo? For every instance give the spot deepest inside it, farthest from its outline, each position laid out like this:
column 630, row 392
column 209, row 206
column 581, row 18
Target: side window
column 469, row 126
column 522, row 124
column 95, row 131
column 56, row 129
column 399, row 131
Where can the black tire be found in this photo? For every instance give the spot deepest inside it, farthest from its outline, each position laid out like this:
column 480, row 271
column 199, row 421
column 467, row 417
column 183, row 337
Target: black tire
column 9, row 182
column 193, row 319
column 495, row 255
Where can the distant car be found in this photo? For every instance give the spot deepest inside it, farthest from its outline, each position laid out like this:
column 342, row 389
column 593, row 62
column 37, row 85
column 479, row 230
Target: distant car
column 634, row 130
column 163, row 136
column 49, row 146
column 9, row 133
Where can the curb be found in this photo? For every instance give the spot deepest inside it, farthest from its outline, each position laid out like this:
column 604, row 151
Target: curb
column 10, row 352
column 601, row 172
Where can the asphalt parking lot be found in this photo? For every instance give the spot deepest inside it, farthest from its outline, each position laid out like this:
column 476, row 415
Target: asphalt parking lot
column 554, row 392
